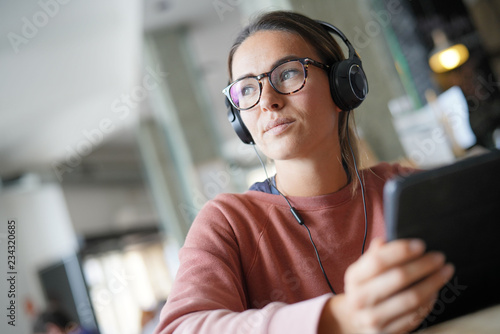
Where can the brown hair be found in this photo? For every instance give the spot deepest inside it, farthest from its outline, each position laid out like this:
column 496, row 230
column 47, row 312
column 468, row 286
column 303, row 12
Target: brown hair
column 329, row 52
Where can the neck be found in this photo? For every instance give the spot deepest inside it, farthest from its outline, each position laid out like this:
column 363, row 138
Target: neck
column 311, row 177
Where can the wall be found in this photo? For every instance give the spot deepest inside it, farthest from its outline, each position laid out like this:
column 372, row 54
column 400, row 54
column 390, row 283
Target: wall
column 105, row 208
column 486, row 14
column 43, row 236
column 363, row 27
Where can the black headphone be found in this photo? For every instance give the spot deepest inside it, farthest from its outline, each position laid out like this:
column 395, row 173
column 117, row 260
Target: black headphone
column 348, row 86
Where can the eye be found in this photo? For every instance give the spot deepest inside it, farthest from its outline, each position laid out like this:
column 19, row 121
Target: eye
column 248, row 90
column 288, row 74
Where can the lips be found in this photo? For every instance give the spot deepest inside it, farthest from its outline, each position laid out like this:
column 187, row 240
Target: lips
column 278, row 125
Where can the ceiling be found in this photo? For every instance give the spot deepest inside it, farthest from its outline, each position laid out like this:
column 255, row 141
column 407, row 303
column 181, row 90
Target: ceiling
column 62, row 68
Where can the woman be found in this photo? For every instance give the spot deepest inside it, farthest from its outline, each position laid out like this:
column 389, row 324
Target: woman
column 247, row 265
column 56, row 321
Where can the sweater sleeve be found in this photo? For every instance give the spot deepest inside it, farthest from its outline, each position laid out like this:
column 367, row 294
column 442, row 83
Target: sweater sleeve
column 209, row 294
column 385, row 171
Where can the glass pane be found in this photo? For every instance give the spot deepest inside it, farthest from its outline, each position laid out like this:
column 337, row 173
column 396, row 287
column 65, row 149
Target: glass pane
column 288, row 77
column 245, row 93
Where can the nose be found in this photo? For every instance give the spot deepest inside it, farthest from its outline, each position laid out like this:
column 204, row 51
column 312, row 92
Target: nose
column 270, row 100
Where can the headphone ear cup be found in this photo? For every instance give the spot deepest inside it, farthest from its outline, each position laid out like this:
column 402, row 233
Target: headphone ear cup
column 234, row 117
column 348, row 84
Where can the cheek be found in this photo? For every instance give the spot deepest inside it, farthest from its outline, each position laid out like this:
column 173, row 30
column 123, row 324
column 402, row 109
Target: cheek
column 250, row 121
column 320, row 112
column 318, row 90
column 322, row 96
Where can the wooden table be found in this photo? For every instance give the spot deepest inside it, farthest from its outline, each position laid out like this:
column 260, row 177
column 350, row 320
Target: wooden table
column 486, row 321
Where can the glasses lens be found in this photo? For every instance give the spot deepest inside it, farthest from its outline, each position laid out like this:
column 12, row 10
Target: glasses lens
column 288, row 77
column 245, row 93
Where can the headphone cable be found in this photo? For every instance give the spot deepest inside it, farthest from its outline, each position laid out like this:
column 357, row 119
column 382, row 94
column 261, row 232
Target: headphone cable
column 360, row 183
column 299, row 220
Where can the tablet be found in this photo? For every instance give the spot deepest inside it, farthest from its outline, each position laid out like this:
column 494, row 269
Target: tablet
column 456, row 210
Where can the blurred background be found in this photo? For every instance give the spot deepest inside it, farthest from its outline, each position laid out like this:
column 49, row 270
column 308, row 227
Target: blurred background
column 113, row 130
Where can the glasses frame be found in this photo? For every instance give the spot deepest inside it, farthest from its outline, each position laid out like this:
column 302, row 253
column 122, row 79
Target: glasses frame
column 305, row 65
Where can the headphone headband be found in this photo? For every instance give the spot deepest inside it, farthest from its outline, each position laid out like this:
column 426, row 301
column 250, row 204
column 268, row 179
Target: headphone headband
column 333, row 29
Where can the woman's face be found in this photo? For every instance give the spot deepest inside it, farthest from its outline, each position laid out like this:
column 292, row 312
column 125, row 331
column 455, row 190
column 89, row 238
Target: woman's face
column 284, row 127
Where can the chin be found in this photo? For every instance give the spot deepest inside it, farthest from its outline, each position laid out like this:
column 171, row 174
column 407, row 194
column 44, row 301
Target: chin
column 280, row 152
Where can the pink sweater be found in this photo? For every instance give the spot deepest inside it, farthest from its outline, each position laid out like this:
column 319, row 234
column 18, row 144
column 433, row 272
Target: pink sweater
column 247, row 266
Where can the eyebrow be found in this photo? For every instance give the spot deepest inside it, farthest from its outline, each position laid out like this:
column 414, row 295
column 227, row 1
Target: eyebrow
column 276, row 63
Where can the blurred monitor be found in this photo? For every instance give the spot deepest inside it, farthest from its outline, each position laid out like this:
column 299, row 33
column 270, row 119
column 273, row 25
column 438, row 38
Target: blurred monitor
column 64, row 287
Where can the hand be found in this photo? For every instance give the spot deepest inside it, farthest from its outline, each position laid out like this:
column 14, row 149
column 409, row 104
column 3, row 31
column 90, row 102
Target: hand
column 390, row 289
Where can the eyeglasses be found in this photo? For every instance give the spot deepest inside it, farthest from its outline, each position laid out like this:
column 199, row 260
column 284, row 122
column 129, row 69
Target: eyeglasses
column 286, row 78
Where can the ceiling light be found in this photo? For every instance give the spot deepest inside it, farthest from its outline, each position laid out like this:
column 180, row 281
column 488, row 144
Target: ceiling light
column 446, row 57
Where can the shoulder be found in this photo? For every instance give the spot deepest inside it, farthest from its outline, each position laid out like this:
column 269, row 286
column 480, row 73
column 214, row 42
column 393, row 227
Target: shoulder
column 233, row 212
column 384, row 171
column 229, row 203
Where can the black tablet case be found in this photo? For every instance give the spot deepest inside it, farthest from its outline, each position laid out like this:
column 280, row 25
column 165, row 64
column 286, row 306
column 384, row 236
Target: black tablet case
column 454, row 209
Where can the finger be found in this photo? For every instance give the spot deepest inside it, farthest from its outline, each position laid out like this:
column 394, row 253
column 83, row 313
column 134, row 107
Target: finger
column 396, row 279
column 381, row 258
column 403, row 323
column 415, row 297
column 370, row 322
column 412, row 320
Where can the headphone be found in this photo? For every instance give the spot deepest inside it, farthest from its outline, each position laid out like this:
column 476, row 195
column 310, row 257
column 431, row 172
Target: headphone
column 348, row 85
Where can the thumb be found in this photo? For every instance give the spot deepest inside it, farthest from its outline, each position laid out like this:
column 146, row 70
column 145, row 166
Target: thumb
column 376, row 243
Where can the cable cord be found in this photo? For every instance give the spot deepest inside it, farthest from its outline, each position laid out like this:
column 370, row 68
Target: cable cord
column 319, row 260
column 299, row 220
column 360, row 183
